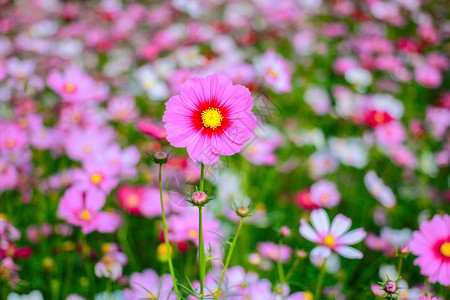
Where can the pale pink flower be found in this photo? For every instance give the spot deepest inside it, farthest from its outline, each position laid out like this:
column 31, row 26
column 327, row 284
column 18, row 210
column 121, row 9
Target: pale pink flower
column 82, row 207
column 210, row 117
column 275, row 252
column 428, row 76
column 332, row 237
column 275, row 71
column 324, row 193
column 260, row 152
column 390, row 134
column 379, row 190
column 122, row 109
column 12, row 138
column 432, row 246
column 87, row 144
column 148, row 285
column 73, row 85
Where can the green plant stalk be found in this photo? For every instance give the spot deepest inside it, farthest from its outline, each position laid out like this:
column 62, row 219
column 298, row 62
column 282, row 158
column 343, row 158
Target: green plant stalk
column 280, row 266
column 230, row 253
column 201, row 245
column 293, row 267
column 320, row 280
column 399, row 272
column 166, row 239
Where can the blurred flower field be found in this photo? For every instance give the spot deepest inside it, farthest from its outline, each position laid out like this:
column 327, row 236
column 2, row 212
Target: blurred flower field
column 214, row 149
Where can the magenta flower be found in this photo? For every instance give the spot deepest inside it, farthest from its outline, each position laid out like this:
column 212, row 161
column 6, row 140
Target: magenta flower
column 82, row 207
column 432, row 246
column 390, row 134
column 332, row 237
column 210, row 117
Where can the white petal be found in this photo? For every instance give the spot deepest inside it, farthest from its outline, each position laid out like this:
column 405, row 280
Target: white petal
column 307, row 232
column 340, row 225
column 349, row 252
column 352, row 237
column 321, row 252
column 320, row 221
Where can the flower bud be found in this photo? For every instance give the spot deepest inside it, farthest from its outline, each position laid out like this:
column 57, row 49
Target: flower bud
column 199, row 198
column 161, row 157
column 391, row 287
column 403, row 249
column 243, row 212
column 301, row 253
column 285, row 231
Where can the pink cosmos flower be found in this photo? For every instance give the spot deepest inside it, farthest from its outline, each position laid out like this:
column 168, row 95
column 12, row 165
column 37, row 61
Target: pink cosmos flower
column 432, row 246
column 392, row 133
column 324, row 193
column 148, row 285
column 332, row 237
column 96, row 175
column 210, row 117
column 274, row 251
column 275, row 70
column 150, row 206
column 130, row 198
column 73, row 86
column 123, row 162
column 12, row 138
column 428, row 76
column 427, row 298
column 81, row 207
column 261, row 152
column 86, row 144
column 9, row 176
column 122, row 109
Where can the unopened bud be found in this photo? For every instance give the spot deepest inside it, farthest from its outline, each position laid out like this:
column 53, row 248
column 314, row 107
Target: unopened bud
column 391, row 287
column 301, row 253
column 199, row 198
column 243, row 212
column 285, row 231
column 161, row 157
column 403, row 249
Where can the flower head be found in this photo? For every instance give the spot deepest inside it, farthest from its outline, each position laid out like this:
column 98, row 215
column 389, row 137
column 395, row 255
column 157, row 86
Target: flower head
column 210, row 117
column 331, row 237
column 432, row 246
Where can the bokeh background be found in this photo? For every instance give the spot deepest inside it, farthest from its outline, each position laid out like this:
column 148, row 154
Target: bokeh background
column 352, row 103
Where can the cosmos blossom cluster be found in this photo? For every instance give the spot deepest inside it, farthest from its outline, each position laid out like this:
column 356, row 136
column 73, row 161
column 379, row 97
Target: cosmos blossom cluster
column 213, row 149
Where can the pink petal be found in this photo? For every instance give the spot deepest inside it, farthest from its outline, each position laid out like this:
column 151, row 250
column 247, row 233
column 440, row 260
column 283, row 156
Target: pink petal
column 307, row 232
column 321, row 251
column 320, row 221
column 349, row 252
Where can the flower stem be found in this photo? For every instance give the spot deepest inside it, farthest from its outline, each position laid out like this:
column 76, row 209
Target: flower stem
column 320, row 280
column 399, row 272
column 280, row 266
column 293, row 267
column 201, row 245
column 230, row 253
column 166, row 239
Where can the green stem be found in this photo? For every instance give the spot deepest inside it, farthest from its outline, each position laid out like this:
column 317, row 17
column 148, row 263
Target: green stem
column 399, row 271
column 320, row 280
column 166, row 239
column 280, row 266
column 293, row 267
column 201, row 252
column 201, row 245
column 230, row 253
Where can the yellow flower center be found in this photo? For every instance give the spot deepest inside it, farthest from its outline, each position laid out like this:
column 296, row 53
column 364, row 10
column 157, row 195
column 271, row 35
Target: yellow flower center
column 272, row 73
column 212, row 118
column 87, row 149
column 10, row 143
column 308, row 295
column 445, row 249
column 96, row 178
column 328, row 241
column 70, row 88
column 325, row 198
column 150, row 296
column 85, row 215
column 149, row 84
column 193, row 233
